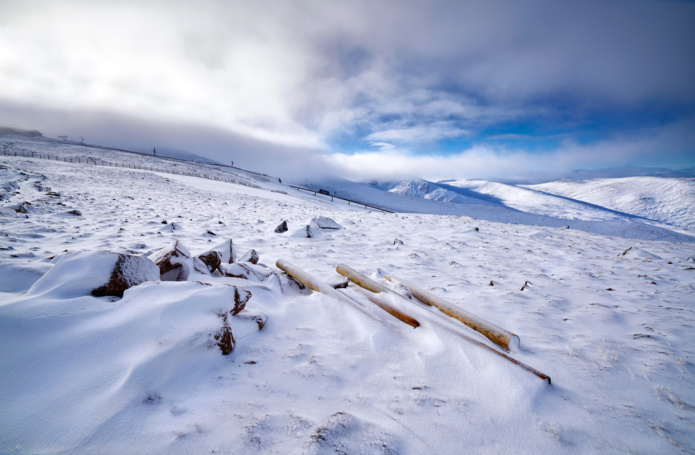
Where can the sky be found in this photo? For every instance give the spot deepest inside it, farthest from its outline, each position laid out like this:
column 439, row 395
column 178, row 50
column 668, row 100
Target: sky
column 364, row 90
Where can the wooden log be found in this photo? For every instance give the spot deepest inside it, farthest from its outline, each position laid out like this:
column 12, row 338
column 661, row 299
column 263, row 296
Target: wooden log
column 360, row 279
column 494, row 333
column 501, row 354
column 379, row 300
column 378, row 289
column 317, row 285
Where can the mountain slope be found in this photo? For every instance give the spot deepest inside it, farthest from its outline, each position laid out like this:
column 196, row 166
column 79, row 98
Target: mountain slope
column 668, row 200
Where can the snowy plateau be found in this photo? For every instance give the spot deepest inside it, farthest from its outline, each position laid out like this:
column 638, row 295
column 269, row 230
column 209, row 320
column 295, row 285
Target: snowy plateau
column 220, row 351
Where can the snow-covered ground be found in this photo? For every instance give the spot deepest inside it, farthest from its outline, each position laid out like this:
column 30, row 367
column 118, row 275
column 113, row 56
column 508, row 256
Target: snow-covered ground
column 656, row 198
column 606, row 311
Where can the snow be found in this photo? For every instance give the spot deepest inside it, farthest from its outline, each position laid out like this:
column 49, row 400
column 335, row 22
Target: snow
column 81, row 374
column 667, row 200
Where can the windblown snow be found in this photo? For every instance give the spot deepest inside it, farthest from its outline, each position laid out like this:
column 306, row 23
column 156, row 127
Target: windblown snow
column 604, row 307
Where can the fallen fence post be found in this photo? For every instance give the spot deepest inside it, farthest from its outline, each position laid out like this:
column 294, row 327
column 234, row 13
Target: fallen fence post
column 371, row 285
column 493, row 332
column 319, row 286
column 378, row 300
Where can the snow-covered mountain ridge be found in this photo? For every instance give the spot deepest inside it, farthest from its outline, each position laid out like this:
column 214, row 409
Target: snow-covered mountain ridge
column 657, row 201
column 669, row 200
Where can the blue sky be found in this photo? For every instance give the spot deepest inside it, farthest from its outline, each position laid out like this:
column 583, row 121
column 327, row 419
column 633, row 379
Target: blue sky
column 438, row 89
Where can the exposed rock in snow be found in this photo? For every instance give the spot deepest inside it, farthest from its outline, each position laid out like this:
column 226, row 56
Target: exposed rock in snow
column 241, row 298
column 174, row 262
column 252, row 315
column 227, row 251
column 338, row 282
column 250, row 256
column 224, row 336
column 636, row 253
column 200, row 266
column 315, row 226
column 282, row 227
column 24, row 207
column 75, row 212
column 212, row 259
column 170, row 227
column 247, row 271
column 324, row 222
column 128, row 271
column 95, row 272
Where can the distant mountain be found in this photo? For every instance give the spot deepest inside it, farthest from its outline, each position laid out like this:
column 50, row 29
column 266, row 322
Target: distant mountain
column 668, row 200
column 643, row 199
column 433, row 191
column 5, row 131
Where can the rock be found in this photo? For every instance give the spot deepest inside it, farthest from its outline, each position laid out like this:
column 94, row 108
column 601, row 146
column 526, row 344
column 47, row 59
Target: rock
column 24, row 207
column 224, row 336
column 200, row 267
column 173, row 226
column 226, row 250
column 94, row 272
column 241, row 298
column 288, row 285
column 316, row 226
column 174, row 262
column 75, row 212
column 398, row 242
column 323, row 222
column 259, row 318
column 338, row 282
column 246, row 271
column 128, row 271
column 250, row 256
column 636, row 253
column 282, row 227
column 212, row 260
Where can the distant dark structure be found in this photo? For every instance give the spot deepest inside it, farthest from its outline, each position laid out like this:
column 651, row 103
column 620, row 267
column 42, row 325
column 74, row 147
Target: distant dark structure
column 154, row 151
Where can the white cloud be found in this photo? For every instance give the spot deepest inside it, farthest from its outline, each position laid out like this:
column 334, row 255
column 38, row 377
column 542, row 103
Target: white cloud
column 498, row 163
column 419, row 133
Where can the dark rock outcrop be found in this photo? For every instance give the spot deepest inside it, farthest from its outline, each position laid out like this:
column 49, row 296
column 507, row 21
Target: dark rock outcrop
column 174, row 262
column 128, row 271
column 250, row 256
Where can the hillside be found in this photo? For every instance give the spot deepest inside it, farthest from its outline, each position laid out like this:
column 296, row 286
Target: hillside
column 666, row 200
column 604, row 308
